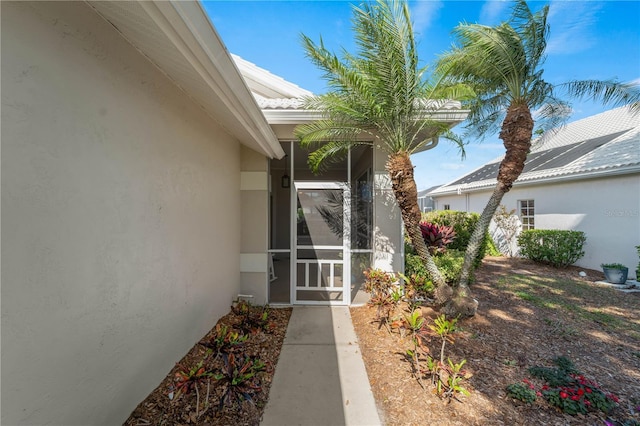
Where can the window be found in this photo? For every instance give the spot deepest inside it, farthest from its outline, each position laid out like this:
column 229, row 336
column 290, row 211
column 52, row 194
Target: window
column 447, row 207
column 527, row 214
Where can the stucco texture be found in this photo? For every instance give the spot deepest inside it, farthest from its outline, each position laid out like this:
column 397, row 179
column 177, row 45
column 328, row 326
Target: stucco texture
column 606, row 209
column 120, row 219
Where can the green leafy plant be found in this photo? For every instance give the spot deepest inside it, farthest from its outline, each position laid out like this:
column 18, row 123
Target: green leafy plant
column 437, row 237
column 463, row 224
column 613, row 265
column 254, row 318
column 186, row 379
column 566, row 388
column 559, row 248
column 225, row 340
column 448, row 376
column 239, row 378
column 524, row 392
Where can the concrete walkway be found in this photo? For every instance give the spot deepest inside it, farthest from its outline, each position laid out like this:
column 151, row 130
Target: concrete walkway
column 320, row 379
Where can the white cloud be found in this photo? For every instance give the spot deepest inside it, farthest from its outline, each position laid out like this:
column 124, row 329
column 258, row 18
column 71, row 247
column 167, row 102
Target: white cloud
column 572, row 24
column 424, row 13
column 492, row 10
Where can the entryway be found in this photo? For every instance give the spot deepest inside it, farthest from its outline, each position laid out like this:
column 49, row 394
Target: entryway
column 320, row 228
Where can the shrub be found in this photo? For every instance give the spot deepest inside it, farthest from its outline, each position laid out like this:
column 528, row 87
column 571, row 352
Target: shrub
column 449, row 263
column 463, row 224
column 556, row 247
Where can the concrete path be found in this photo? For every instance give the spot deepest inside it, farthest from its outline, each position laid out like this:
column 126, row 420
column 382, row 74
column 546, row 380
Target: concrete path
column 320, row 379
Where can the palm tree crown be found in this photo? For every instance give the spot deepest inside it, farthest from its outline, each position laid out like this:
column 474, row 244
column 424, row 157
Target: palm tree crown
column 380, row 94
column 503, row 64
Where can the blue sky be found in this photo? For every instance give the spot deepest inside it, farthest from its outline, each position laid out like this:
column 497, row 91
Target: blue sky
column 589, row 40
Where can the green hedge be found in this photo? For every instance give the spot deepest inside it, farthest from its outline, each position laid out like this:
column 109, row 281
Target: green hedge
column 449, row 263
column 556, row 247
column 463, row 224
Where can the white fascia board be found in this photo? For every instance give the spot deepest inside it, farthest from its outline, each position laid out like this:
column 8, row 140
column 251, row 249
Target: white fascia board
column 291, row 116
column 186, row 24
column 300, row 116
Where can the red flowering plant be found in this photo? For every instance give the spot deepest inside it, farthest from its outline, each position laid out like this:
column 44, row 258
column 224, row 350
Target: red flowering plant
column 565, row 388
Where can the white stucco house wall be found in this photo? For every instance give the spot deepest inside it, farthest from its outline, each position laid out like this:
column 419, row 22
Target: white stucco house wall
column 143, row 190
column 583, row 177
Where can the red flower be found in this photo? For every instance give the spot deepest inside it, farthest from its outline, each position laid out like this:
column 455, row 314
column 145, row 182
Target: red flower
column 580, row 391
column 539, row 393
column 575, row 397
column 563, row 395
column 588, row 390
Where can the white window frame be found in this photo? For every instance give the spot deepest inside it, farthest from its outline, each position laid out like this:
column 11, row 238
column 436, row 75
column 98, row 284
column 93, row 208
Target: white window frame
column 527, row 214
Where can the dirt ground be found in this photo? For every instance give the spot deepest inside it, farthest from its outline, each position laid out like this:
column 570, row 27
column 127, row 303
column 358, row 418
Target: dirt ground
column 165, row 407
column 524, row 319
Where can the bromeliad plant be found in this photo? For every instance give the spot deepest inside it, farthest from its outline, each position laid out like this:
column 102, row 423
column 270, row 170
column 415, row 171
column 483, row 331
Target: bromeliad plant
column 239, row 377
column 225, row 340
column 254, row 318
column 437, row 237
column 186, row 379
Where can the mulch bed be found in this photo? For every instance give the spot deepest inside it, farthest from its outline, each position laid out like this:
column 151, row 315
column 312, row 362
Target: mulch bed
column 166, row 406
column 506, row 337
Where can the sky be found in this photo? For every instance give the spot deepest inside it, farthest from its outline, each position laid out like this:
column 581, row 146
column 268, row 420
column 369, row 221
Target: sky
column 588, row 40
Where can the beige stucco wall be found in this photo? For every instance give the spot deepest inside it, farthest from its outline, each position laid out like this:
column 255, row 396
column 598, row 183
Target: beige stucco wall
column 607, row 210
column 120, row 219
column 254, row 219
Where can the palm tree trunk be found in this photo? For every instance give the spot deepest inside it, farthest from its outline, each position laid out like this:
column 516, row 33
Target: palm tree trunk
column 404, row 188
column 516, row 132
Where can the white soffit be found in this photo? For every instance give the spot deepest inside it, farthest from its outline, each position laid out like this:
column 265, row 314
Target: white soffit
column 178, row 38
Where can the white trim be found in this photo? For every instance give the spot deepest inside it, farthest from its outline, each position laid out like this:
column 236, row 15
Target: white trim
column 253, row 181
column 253, row 262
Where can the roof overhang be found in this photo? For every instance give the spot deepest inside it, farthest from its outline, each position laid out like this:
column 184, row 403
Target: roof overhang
column 301, row 116
column 489, row 184
column 179, row 39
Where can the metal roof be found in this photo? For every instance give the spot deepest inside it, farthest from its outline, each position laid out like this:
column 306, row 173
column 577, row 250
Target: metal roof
column 606, row 143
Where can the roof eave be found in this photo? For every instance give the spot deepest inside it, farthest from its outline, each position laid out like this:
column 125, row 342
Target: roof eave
column 188, row 28
column 593, row 174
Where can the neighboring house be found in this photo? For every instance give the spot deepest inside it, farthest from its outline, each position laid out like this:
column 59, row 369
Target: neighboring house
column 144, row 188
column 584, row 177
column 425, row 201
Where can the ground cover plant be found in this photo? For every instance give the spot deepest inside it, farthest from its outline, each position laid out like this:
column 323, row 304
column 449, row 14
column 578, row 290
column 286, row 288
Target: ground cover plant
column 225, row 378
column 529, row 315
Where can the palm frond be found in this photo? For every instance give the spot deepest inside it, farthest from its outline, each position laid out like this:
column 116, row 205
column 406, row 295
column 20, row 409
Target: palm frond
column 608, row 92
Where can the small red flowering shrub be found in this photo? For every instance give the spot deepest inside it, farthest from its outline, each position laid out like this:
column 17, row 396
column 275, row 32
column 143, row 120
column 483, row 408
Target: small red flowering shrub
column 565, row 388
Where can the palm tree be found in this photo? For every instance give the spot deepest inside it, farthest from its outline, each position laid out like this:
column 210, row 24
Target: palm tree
column 503, row 65
column 383, row 93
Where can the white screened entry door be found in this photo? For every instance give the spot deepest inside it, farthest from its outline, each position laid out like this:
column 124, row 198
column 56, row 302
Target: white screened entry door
column 321, row 264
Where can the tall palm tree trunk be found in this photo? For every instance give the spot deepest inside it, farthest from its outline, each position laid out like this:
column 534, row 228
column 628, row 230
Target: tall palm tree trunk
column 404, row 188
column 453, row 302
column 516, row 132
